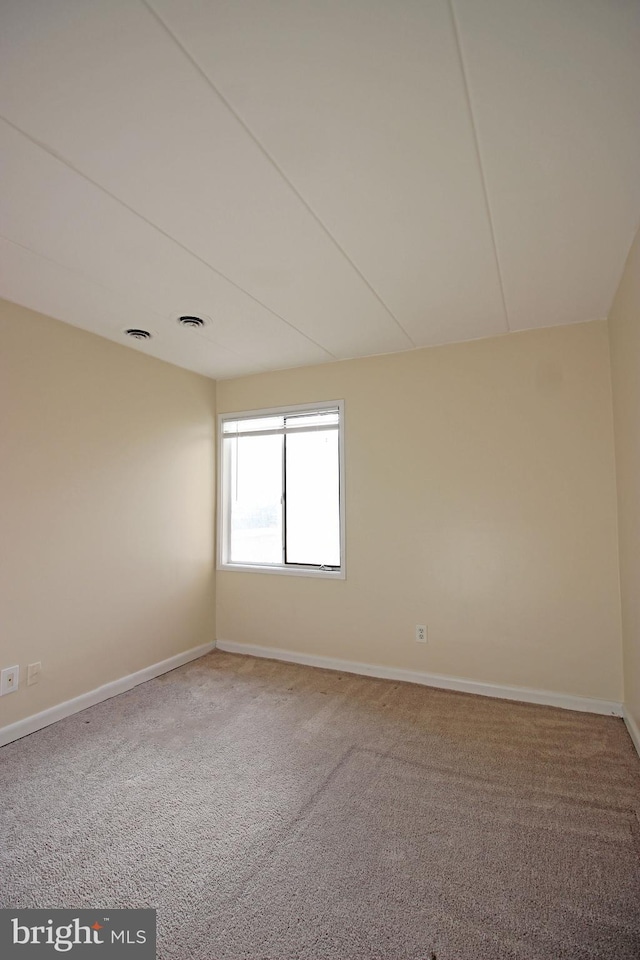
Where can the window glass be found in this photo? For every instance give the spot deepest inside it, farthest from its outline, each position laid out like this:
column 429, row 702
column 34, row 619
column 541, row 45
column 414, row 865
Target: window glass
column 313, row 498
column 282, row 489
column 255, row 499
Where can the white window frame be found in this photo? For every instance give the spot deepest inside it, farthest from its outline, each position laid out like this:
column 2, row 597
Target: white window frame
column 288, row 570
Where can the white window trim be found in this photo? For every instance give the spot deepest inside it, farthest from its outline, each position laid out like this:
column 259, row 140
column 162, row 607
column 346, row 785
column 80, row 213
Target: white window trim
column 282, row 569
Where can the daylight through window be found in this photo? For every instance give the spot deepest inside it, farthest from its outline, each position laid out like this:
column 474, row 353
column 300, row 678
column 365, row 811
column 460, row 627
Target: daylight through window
column 281, row 490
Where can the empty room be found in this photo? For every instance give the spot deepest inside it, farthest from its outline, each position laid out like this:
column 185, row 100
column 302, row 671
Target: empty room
column 320, row 479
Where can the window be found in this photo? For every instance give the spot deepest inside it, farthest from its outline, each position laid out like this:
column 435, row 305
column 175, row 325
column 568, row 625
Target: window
column 281, row 490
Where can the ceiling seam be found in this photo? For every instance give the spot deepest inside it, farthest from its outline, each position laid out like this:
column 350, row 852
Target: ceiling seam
column 275, row 166
column 476, row 141
column 635, row 233
column 61, row 159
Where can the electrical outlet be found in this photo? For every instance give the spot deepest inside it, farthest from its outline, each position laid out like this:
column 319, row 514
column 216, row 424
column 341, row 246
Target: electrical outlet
column 9, row 679
column 33, row 673
column 421, row 633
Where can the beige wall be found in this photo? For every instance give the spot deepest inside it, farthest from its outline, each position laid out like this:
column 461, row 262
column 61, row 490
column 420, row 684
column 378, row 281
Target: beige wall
column 106, row 525
column 624, row 330
column 480, row 500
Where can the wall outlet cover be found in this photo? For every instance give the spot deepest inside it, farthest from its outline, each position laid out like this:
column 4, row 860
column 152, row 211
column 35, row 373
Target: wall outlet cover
column 33, row 673
column 9, row 680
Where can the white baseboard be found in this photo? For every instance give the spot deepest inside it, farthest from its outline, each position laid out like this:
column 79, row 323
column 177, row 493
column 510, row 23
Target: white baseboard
column 633, row 728
column 14, row 731
column 523, row 694
column 22, row 728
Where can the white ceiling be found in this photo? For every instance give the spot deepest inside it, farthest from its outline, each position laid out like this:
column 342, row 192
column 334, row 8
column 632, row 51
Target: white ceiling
column 320, row 179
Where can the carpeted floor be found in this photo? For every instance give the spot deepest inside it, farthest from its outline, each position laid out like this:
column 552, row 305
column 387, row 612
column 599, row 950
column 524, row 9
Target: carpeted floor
column 276, row 812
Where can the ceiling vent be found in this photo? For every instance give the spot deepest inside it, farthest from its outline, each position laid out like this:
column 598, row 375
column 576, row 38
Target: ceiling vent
column 138, row 334
column 189, row 321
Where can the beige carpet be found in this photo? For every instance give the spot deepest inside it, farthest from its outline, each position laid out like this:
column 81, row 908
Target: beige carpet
column 277, row 812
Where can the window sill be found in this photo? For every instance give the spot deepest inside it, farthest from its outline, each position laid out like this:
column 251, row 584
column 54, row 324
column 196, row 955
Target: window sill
column 285, row 571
